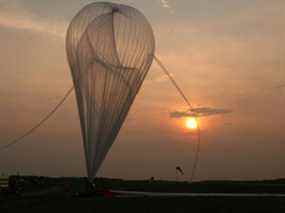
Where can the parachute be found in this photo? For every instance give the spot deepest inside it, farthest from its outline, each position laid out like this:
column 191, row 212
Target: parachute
column 179, row 170
column 110, row 48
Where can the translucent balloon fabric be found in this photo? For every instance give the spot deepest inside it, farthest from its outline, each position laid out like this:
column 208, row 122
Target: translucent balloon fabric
column 110, row 48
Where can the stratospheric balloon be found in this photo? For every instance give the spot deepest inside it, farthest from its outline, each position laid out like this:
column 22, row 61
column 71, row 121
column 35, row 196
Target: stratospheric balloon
column 110, row 48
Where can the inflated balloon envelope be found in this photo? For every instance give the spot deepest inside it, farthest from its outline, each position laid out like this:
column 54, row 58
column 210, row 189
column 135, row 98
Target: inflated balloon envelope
column 110, row 49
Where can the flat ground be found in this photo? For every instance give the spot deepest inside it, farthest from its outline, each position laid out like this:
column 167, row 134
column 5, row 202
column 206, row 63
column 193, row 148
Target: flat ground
column 41, row 194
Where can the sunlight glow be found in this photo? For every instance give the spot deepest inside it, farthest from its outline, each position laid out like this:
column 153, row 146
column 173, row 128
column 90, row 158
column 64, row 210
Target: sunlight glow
column 191, row 123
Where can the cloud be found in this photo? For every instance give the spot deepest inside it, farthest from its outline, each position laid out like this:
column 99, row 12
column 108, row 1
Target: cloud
column 166, row 4
column 13, row 16
column 200, row 112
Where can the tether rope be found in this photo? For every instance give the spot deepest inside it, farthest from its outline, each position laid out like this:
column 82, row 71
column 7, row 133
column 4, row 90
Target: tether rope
column 40, row 123
column 197, row 152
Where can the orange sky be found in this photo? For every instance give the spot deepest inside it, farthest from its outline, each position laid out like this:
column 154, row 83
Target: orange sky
column 225, row 55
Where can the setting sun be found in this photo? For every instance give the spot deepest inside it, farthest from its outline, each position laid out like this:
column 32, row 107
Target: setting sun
column 191, row 123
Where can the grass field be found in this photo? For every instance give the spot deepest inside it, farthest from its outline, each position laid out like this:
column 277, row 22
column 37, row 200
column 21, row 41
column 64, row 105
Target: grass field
column 30, row 183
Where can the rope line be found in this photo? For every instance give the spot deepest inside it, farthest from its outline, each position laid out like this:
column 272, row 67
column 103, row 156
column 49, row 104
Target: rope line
column 40, row 123
column 198, row 148
column 173, row 82
column 197, row 154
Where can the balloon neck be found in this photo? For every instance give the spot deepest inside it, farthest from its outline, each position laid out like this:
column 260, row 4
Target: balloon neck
column 91, row 183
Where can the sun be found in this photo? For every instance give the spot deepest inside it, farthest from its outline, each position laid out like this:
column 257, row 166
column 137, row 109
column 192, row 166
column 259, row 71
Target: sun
column 191, row 123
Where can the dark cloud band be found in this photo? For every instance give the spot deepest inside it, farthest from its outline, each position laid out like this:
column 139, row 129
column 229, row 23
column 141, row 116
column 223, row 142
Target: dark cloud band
column 200, row 112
